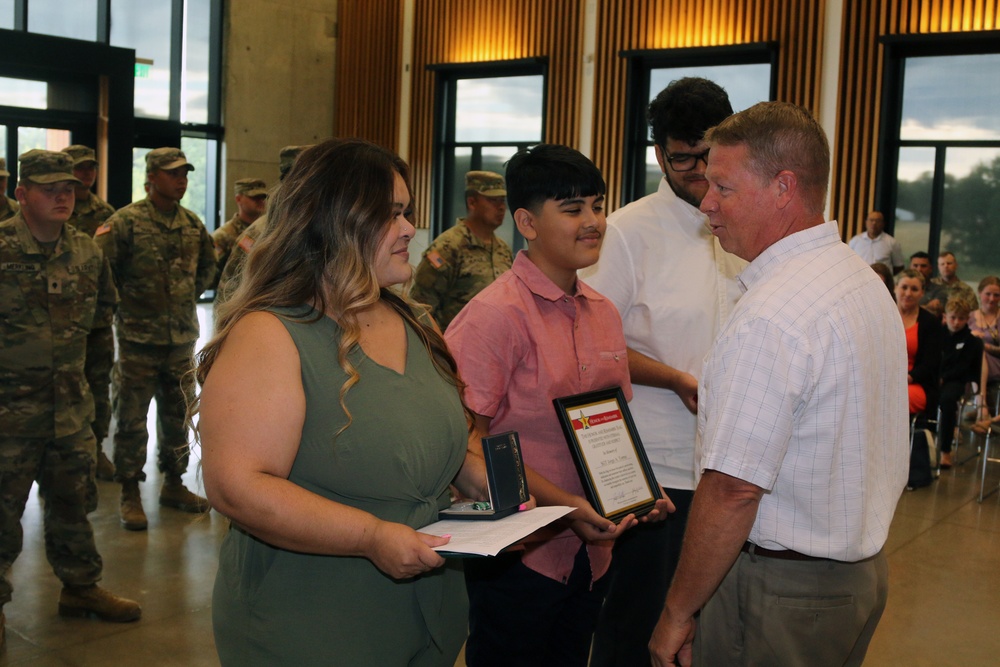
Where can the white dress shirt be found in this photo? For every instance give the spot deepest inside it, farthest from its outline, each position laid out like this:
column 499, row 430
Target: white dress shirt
column 673, row 286
column 804, row 395
column 882, row 249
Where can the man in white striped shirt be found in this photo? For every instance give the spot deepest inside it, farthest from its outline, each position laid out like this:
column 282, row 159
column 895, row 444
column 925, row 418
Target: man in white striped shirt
column 803, row 418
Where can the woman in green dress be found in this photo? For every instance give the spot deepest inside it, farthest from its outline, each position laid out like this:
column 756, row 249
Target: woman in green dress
column 331, row 426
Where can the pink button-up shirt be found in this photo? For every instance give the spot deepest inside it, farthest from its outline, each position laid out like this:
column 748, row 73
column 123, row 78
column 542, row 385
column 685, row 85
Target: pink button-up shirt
column 521, row 343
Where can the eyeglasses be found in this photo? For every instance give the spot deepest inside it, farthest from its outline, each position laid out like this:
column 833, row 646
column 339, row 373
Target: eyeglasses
column 686, row 161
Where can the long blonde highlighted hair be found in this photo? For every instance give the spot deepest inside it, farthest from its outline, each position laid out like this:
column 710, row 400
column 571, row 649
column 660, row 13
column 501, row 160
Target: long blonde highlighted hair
column 324, row 227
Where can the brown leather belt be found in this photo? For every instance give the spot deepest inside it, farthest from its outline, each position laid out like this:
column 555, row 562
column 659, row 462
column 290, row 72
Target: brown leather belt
column 754, row 550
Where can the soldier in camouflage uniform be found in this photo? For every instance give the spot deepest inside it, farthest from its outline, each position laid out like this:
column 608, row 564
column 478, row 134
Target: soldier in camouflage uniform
column 55, row 289
column 89, row 213
column 229, row 279
column 8, row 206
column 161, row 258
column 251, row 200
column 469, row 256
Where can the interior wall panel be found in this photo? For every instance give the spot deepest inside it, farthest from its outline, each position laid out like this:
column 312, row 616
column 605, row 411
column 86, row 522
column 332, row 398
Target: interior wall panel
column 368, row 70
column 862, row 62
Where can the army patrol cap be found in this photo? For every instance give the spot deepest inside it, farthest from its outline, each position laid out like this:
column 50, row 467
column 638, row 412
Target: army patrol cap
column 251, row 187
column 486, row 183
column 3, row 168
column 38, row 166
column 166, row 158
column 286, row 158
column 80, row 154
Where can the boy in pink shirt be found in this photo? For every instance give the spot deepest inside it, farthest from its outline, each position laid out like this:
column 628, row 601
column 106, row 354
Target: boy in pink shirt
column 535, row 334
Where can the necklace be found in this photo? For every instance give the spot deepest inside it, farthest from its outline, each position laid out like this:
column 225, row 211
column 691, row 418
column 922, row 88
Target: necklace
column 990, row 327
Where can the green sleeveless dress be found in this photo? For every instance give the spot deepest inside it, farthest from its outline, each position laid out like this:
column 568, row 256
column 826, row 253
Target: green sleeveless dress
column 407, row 442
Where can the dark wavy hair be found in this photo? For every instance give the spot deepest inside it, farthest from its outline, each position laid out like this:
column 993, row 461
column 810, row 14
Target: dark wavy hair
column 685, row 109
column 325, row 224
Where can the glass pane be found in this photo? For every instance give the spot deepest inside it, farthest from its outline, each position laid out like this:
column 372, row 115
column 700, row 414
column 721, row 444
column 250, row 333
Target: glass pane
column 971, row 216
column 951, row 97
column 499, row 109
column 745, row 84
column 7, row 14
column 41, row 137
column 139, row 173
column 64, row 18
column 913, row 200
column 145, row 27
column 194, row 73
column 653, row 173
column 463, row 164
column 24, row 93
column 200, row 196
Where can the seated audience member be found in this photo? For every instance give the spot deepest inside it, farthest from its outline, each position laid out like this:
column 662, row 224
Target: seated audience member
column 983, row 324
column 358, row 428
column 934, row 295
column 923, row 342
column 538, row 333
column 886, row 275
column 961, row 363
column 948, row 283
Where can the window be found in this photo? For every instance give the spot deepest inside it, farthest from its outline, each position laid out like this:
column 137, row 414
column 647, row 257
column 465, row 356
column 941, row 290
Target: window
column 486, row 113
column 941, row 150
column 64, row 18
column 24, row 93
column 147, row 30
column 747, row 73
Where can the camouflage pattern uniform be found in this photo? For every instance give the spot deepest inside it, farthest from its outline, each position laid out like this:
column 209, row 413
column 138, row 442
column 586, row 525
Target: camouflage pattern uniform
column 939, row 289
column 226, row 236
column 8, row 206
column 51, row 300
column 161, row 263
column 455, row 268
column 88, row 214
column 232, row 272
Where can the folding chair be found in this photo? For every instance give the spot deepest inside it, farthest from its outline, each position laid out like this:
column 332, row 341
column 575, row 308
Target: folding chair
column 969, row 408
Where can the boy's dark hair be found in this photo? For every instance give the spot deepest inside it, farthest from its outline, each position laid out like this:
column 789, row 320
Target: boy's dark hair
column 920, row 254
column 686, row 108
column 550, row 171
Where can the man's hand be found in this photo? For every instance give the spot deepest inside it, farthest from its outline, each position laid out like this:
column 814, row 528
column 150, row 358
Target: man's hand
column 672, row 640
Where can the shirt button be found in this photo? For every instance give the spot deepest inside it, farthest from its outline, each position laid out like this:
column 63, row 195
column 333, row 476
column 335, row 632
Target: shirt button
column 583, row 366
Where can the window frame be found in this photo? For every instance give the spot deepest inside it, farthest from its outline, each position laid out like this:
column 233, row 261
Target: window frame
column 445, row 99
column 639, row 67
column 898, row 48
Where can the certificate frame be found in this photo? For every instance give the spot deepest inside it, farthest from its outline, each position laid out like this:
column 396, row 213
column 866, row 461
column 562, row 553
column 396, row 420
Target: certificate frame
column 608, row 453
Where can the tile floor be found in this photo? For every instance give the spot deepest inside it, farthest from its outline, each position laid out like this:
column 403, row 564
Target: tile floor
column 944, row 599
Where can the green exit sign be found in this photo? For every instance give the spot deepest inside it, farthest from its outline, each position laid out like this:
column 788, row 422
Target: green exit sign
column 141, row 71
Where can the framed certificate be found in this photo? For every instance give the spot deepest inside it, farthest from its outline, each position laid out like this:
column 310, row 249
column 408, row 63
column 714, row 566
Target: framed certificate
column 608, row 453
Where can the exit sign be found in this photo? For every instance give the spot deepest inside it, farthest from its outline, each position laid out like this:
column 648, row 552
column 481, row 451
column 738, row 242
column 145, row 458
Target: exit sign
column 141, row 71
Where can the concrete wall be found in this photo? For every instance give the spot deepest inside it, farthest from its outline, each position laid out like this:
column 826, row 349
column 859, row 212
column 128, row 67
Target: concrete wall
column 278, row 76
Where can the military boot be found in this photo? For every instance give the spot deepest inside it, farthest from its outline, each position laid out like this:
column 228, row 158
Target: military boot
column 105, row 468
column 94, row 600
column 175, row 494
column 133, row 518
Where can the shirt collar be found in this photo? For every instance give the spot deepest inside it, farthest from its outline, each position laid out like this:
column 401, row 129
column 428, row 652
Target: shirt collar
column 540, row 285
column 470, row 237
column 28, row 242
column 784, row 249
column 692, row 213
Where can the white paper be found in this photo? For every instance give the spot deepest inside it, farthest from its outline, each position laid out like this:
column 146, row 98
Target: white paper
column 488, row 538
